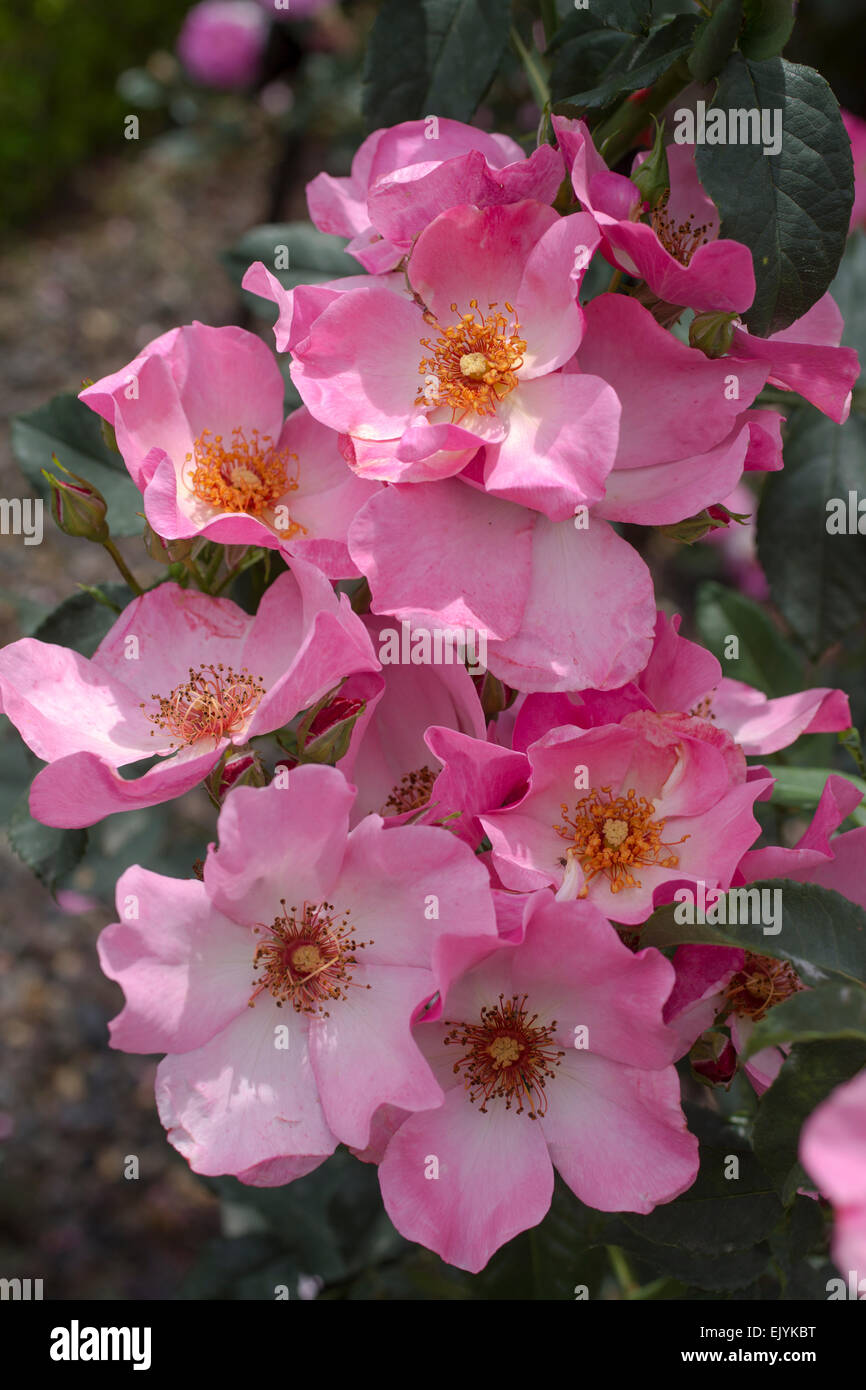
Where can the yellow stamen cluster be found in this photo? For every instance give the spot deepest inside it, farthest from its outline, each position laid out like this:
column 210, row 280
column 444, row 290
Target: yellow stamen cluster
column 682, row 239
column 410, row 793
column 762, row 983
column 214, row 702
column 474, row 364
column 615, row 836
column 245, row 475
column 306, row 958
column 509, row 1056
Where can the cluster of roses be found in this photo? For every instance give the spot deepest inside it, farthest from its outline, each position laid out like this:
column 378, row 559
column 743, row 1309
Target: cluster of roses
column 411, row 953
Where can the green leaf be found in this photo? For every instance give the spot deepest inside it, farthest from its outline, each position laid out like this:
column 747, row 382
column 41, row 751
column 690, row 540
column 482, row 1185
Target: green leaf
column 807, row 1077
column 295, row 252
column 767, row 27
column 803, row 786
column 766, row 660
column 723, row 1271
column 51, row 854
column 821, row 932
column 432, row 57
column 716, row 38
column 639, row 63
column 67, row 428
column 717, row 1215
column 81, row 621
column 791, row 209
column 833, row 1010
column 817, row 580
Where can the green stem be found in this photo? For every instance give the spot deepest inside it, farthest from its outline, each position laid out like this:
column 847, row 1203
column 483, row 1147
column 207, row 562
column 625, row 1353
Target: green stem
column 614, row 282
column 624, row 1277
column 537, row 79
column 549, row 18
column 615, row 136
column 214, row 563
column 123, row 567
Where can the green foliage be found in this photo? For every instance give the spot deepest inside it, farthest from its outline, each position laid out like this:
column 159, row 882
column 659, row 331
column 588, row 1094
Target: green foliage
column 66, row 427
column 822, row 932
column 766, row 660
column 817, row 579
column 58, row 100
column 432, row 57
column 791, row 209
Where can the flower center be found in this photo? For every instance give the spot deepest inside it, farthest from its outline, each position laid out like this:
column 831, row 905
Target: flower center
column 762, row 983
column 214, row 702
column 681, row 240
column 411, row 792
column 614, row 836
column 245, row 476
column 306, row 958
column 508, row 1055
column 704, row 708
column 474, row 365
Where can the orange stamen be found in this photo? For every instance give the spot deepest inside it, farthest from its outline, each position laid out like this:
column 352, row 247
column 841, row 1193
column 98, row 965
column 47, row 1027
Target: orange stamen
column 613, row 837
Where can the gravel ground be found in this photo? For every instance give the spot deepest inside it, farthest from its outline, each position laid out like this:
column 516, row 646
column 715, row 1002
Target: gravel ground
column 130, row 250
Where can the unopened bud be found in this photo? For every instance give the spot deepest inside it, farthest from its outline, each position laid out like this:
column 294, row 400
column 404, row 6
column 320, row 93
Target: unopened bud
column 330, row 732
column 651, row 177
column 713, row 1059
column 712, row 333
column 78, row 507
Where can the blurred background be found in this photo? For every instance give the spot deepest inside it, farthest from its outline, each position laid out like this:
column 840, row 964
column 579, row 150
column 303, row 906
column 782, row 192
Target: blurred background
column 139, row 144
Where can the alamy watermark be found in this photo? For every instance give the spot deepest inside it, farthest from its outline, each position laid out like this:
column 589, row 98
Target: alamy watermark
column 22, row 516
column 446, row 646
column 757, row 907
column 738, row 126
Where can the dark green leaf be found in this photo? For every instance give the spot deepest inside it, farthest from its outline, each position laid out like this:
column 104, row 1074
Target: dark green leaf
column 51, row 854
column 833, row 1010
column 791, row 209
column 715, row 40
column 808, row 1076
column 295, row 252
column 766, row 28
column 81, row 621
column 639, row 64
column 817, row 580
column 766, row 660
column 432, row 57
column 822, row 932
column 67, row 428
column 722, row 1271
column 718, row 1214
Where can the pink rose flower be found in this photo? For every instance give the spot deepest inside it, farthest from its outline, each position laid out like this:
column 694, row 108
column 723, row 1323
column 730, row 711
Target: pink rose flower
column 389, row 759
column 181, row 675
column 677, row 250
column 552, row 1053
column 724, row 986
column 806, row 358
column 199, row 421
column 684, row 676
column 833, row 1151
column 404, row 176
column 614, row 812
column 222, row 41
column 282, row 988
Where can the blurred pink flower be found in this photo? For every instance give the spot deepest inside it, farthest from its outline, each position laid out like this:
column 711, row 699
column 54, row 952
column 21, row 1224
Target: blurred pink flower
column 221, row 42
